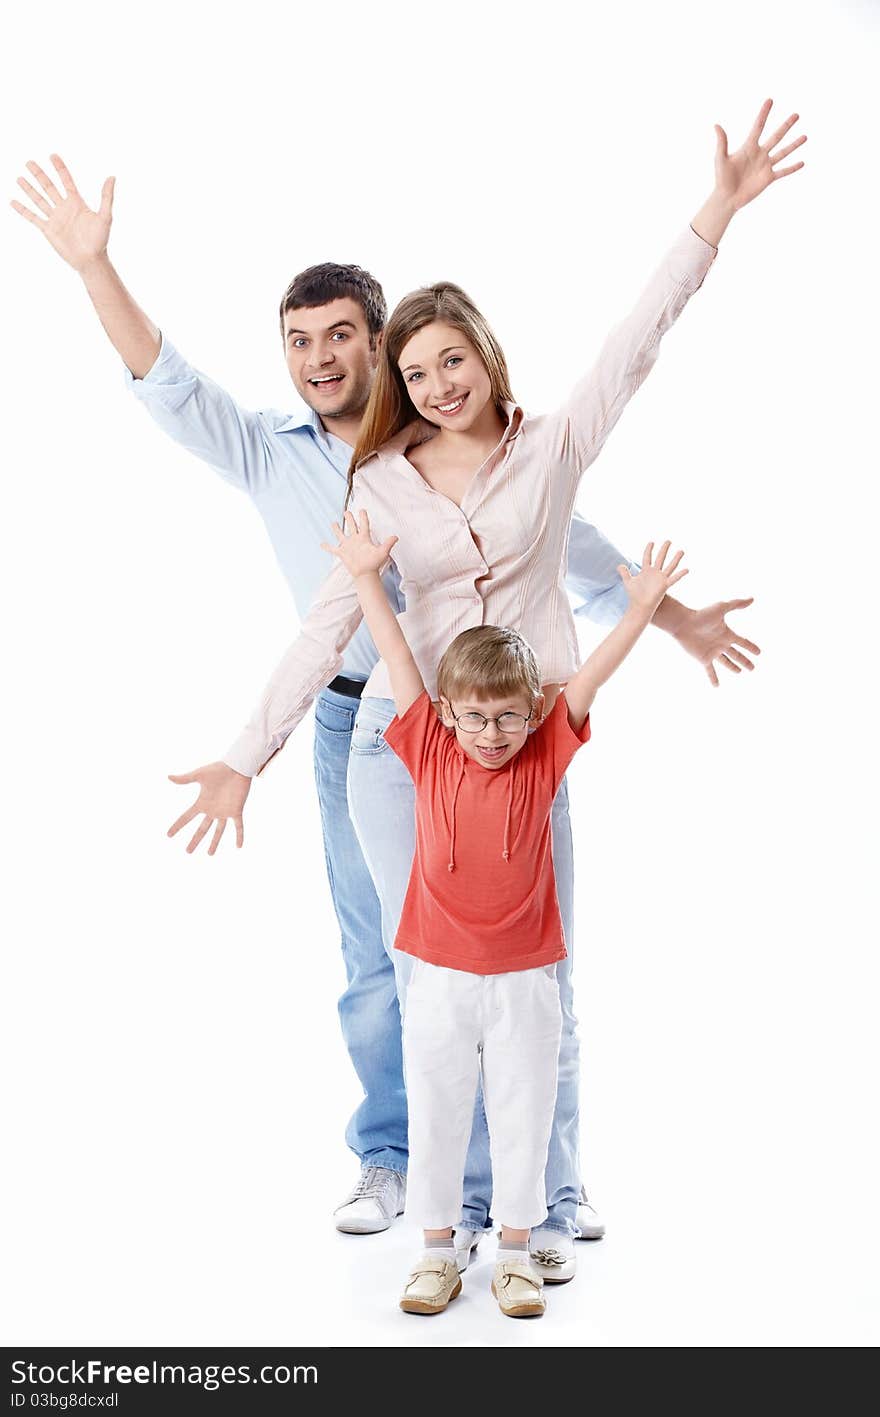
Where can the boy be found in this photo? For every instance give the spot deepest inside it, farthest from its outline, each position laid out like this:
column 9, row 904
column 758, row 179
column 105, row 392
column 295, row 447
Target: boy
column 481, row 918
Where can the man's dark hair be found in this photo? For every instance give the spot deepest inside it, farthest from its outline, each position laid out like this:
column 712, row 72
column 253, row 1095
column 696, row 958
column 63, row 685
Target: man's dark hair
column 321, row 284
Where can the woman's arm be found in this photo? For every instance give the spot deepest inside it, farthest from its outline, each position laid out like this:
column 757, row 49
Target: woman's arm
column 742, row 176
column 645, row 592
column 575, row 435
column 364, row 562
column 308, row 666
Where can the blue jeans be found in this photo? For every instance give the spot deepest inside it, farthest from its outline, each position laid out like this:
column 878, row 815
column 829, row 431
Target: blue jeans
column 368, row 1009
column 381, row 799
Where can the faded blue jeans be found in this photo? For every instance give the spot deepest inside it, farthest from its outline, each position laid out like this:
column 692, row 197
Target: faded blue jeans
column 368, row 1009
column 381, row 800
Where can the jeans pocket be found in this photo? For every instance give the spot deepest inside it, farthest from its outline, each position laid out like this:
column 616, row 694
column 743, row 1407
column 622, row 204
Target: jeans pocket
column 332, row 718
column 367, row 741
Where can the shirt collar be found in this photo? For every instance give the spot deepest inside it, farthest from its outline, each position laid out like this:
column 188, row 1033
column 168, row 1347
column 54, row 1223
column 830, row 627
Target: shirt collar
column 308, row 421
column 307, row 418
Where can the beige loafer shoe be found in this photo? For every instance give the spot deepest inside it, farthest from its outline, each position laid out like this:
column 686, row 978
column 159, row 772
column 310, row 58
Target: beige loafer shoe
column 518, row 1288
column 432, row 1285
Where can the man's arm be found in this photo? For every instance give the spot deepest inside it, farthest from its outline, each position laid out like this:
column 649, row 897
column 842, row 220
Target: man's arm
column 599, row 594
column 364, row 562
column 706, row 635
column 645, row 591
column 193, row 410
column 80, row 236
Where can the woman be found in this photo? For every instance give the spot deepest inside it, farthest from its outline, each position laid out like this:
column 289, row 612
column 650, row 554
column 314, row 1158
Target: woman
column 481, row 499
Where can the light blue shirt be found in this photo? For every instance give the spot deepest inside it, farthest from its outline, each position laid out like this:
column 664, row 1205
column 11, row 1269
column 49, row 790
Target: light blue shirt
column 295, row 473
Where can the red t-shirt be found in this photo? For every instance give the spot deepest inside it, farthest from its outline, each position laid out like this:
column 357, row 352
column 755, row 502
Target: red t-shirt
column 482, row 893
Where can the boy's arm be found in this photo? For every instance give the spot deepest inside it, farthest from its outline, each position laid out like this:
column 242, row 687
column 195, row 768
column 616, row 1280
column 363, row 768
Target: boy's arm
column 364, row 561
column 406, row 681
column 598, row 591
column 645, row 592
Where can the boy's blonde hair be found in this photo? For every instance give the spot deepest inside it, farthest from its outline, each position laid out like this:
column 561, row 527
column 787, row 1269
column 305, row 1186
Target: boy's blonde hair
column 490, row 663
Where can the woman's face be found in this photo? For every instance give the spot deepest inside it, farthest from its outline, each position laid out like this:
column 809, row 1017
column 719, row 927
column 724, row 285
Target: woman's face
column 445, row 377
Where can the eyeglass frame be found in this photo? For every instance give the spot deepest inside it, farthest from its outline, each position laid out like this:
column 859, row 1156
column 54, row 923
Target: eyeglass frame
column 486, row 721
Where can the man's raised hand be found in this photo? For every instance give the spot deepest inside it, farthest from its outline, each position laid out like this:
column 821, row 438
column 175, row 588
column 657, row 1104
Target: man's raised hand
column 77, row 233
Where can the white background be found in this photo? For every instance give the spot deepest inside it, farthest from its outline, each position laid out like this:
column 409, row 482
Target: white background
column 178, row 1082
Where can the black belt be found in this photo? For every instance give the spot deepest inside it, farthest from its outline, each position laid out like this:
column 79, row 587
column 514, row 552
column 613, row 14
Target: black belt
column 352, row 687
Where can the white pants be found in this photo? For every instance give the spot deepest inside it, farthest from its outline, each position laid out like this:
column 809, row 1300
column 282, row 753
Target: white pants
column 455, row 1025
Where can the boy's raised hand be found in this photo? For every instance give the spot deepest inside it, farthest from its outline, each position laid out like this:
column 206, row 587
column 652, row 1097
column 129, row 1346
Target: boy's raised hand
column 356, row 549
column 655, row 579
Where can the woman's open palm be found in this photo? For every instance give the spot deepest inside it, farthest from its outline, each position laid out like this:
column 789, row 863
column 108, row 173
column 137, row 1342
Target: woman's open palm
column 743, row 175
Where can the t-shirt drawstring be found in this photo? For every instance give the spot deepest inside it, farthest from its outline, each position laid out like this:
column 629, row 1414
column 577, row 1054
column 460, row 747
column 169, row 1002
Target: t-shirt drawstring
column 506, row 848
column 451, row 866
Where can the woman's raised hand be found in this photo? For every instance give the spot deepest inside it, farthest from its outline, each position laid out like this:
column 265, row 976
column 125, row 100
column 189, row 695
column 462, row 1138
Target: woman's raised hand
column 743, row 175
column 355, row 546
column 78, row 234
column 655, row 579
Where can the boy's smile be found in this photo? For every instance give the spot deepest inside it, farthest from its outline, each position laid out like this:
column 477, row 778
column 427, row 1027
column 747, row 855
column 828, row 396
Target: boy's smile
column 492, row 747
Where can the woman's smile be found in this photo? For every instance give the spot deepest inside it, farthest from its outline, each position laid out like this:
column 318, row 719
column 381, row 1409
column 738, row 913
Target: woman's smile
column 453, row 406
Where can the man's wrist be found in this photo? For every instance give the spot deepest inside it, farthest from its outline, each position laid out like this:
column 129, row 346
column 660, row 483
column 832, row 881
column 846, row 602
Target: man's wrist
column 96, row 269
column 672, row 616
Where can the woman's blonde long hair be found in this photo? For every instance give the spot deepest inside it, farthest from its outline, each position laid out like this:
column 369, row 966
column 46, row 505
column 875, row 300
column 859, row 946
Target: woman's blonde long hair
column 389, row 408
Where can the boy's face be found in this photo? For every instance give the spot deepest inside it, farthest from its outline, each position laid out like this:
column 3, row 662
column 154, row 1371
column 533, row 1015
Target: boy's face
column 329, row 357
column 492, row 747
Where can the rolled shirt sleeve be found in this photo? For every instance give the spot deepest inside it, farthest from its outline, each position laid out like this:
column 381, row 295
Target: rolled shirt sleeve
column 592, row 580
column 203, row 418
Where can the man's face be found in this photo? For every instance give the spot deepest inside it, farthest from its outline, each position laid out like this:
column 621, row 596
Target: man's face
column 491, row 747
column 329, row 357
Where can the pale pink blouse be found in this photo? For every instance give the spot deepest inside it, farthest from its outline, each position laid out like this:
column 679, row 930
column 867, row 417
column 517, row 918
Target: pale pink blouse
column 499, row 558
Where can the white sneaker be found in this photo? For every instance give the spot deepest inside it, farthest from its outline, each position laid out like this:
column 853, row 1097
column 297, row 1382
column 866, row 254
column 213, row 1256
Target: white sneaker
column 466, row 1242
column 588, row 1220
column 377, row 1199
column 552, row 1255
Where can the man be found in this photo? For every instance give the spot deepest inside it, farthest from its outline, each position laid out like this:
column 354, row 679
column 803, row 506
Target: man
column 294, row 469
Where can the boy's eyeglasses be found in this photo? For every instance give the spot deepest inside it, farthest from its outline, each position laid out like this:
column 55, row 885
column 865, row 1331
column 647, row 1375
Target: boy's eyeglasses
column 476, row 722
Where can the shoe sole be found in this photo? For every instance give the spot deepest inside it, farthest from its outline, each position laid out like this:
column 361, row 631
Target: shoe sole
column 555, row 1278
column 598, row 1234
column 519, row 1311
column 364, row 1227
column 421, row 1306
